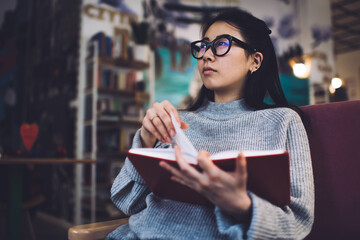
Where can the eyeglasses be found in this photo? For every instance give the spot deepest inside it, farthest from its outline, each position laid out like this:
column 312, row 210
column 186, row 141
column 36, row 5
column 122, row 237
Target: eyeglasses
column 219, row 46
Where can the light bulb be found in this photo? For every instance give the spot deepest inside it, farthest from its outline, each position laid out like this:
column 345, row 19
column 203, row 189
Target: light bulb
column 336, row 82
column 300, row 70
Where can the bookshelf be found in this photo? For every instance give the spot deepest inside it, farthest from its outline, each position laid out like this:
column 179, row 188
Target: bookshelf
column 114, row 100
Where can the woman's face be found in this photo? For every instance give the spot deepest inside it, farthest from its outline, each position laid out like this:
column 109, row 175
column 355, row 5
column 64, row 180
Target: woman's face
column 224, row 75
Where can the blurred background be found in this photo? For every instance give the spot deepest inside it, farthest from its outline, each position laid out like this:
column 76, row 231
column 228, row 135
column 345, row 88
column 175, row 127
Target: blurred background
column 76, row 77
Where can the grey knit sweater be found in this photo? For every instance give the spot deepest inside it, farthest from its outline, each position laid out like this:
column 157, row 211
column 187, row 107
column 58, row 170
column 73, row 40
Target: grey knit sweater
column 217, row 127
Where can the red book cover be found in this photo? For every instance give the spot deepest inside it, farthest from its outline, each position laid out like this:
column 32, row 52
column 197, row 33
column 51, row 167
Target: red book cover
column 268, row 174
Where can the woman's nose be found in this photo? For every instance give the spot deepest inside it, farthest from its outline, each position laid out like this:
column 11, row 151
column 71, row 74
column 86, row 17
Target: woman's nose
column 208, row 55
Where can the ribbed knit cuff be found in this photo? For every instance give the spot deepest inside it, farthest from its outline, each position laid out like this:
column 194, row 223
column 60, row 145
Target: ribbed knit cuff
column 228, row 225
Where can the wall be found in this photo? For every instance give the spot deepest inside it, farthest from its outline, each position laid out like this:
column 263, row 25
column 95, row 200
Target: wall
column 305, row 23
column 348, row 67
column 293, row 23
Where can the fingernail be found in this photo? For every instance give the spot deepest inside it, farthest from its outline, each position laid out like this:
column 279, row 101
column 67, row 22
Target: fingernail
column 172, row 132
column 168, row 140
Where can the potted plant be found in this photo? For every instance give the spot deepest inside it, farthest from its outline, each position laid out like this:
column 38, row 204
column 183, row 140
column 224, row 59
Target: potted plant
column 140, row 33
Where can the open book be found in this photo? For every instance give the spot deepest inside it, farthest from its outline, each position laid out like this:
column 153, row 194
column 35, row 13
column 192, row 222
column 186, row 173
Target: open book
column 268, row 171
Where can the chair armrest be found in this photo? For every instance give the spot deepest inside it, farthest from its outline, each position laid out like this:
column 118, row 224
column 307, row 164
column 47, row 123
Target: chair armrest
column 94, row 231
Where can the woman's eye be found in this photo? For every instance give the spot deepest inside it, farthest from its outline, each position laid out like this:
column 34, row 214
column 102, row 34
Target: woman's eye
column 222, row 43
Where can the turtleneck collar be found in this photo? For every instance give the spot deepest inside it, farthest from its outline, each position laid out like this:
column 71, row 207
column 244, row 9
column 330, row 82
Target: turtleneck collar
column 224, row 111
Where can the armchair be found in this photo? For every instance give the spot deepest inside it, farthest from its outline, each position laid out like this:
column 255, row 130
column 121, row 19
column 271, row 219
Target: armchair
column 94, row 231
column 334, row 136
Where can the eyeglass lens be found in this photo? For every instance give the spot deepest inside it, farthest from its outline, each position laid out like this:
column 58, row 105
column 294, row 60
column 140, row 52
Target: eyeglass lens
column 221, row 46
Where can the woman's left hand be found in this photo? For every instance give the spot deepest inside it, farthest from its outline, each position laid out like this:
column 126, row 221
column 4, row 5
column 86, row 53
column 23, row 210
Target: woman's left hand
column 226, row 190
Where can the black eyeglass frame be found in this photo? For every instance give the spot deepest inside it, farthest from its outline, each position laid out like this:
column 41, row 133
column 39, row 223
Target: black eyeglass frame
column 241, row 44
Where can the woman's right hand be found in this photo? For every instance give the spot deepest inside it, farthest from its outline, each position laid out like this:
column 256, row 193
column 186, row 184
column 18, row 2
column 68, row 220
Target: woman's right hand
column 157, row 124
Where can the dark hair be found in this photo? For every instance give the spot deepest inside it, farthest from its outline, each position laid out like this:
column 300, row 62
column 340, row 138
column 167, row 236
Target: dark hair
column 263, row 81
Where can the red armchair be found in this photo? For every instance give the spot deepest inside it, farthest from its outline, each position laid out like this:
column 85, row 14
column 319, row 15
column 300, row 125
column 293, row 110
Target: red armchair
column 334, row 135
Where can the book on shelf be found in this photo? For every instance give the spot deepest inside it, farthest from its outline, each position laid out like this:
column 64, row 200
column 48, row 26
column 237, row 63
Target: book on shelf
column 100, row 38
column 112, row 79
column 104, row 45
column 115, row 140
column 106, row 103
column 115, row 79
column 268, row 171
column 89, row 75
column 110, row 46
column 113, row 108
column 109, row 116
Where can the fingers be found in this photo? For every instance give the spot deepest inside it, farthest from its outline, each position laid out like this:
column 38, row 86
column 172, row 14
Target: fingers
column 240, row 165
column 184, row 165
column 184, row 125
column 212, row 172
column 218, row 186
column 190, row 176
column 157, row 121
column 149, row 127
column 204, row 162
column 186, row 174
column 170, row 108
column 163, row 110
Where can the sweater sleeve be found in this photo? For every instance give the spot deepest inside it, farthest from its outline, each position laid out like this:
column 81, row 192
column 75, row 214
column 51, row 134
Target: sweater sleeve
column 269, row 221
column 129, row 190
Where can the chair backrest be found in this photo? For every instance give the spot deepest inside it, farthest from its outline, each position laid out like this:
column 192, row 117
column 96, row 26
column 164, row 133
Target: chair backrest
column 334, row 136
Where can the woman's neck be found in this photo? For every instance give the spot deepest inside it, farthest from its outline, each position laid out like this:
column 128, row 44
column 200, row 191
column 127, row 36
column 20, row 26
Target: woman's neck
column 224, row 98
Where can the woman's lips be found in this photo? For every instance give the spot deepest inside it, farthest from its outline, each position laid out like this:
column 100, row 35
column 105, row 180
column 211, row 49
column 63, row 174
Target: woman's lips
column 208, row 70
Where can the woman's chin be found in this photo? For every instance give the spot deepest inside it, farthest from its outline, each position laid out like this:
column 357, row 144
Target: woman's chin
column 210, row 84
column 216, row 88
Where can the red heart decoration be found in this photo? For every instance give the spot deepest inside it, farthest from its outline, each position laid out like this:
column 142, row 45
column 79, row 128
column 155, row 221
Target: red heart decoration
column 29, row 134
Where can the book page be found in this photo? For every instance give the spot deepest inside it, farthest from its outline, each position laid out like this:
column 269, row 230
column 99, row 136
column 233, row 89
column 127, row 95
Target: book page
column 162, row 153
column 235, row 153
column 181, row 139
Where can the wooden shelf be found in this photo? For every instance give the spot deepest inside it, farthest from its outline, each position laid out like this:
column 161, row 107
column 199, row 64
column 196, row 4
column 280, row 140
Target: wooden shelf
column 120, row 63
column 116, row 92
column 111, row 124
column 19, row 160
column 139, row 96
column 112, row 154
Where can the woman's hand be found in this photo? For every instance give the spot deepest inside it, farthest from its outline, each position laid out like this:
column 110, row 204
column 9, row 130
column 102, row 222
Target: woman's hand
column 225, row 189
column 157, row 124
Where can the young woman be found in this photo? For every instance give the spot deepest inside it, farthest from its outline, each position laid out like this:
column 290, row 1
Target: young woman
column 238, row 67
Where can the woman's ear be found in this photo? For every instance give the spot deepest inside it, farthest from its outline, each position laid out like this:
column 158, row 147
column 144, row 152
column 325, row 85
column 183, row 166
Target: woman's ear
column 257, row 60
